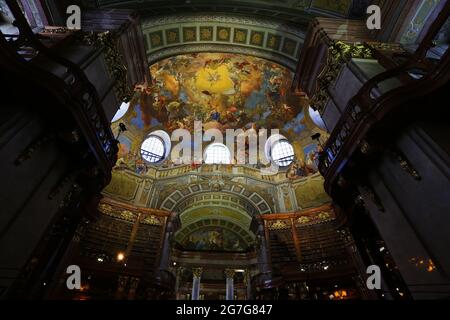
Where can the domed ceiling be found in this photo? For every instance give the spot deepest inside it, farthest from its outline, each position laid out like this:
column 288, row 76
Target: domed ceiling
column 222, row 90
column 234, row 90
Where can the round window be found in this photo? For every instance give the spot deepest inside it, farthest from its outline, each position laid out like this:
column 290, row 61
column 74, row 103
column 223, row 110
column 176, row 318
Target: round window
column 217, row 153
column 282, row 153
column 153, row 149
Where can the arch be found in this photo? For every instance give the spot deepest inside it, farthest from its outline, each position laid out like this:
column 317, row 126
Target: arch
column 250, row 199
column 156, row 147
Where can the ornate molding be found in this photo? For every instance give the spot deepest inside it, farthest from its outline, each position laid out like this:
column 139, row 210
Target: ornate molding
column 252, row 200
column 38, row 143
column 405, row 164
column 339, row 53
column 197, row 272
column 300, row 219
column 131, row 213
column 161, row 54
column 223, row 19
column 114, row 61
column 278, row 225
column 171, row 35
column 229, row 273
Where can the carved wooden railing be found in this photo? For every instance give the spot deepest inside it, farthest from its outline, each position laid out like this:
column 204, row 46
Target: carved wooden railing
column 75, row 91
column 367, row 106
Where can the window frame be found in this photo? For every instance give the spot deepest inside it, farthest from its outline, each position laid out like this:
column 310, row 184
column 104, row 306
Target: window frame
column 215, row 145
column 161, row 157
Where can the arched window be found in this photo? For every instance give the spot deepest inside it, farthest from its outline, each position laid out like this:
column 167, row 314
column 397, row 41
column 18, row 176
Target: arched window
column 121, row 112
column 217, row 153
column 282, row 153
column 153, row 149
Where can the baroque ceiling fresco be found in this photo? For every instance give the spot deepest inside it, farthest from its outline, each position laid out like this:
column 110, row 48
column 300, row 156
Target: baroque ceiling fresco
column 214, row 239
column 234, row 90
column 223, row 91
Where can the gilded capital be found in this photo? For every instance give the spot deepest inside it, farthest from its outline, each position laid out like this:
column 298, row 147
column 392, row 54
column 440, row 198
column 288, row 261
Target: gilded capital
column 229, row 273
column 197, row 272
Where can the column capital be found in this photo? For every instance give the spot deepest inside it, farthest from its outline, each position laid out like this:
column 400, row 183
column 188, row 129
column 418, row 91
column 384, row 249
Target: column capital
column 197, row 272
column 229, row 273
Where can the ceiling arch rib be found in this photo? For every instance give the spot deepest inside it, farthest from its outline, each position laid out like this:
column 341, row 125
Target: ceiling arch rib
column 238, row 217
column 230, row 195
column 215, row 221
column 224, row 200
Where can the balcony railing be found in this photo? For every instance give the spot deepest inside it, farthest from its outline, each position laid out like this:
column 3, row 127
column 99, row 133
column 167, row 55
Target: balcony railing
column 368, row 105
column 20, row 54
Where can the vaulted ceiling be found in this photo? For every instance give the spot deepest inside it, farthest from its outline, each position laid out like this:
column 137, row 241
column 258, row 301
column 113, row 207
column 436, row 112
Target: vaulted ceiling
column 228, row 64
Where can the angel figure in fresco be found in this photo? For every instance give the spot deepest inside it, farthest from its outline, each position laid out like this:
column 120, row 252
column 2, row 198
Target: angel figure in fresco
column 311, row 162
column 121, row 164
column 177, row 110
column 200, row 245
column 131, row 160
column 141, row 168
column 295, row 171
column 215, row 115
column 214, row 240
column 237, row 245
column 288, row 110
column 242, row 118
column 299, row 169
column 291, row 172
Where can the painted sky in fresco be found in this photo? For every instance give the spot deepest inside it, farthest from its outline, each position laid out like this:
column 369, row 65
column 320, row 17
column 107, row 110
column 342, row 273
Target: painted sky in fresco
column 234, row 91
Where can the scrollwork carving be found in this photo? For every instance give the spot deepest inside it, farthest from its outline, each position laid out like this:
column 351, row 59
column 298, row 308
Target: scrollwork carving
column 114, row 61
column 339, row 53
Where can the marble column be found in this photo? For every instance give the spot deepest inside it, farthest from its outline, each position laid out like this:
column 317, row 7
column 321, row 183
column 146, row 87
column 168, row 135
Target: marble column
column 229, row 273
column 164, row 261
column 178, row 275
column 197, row 274
column 264, row 257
